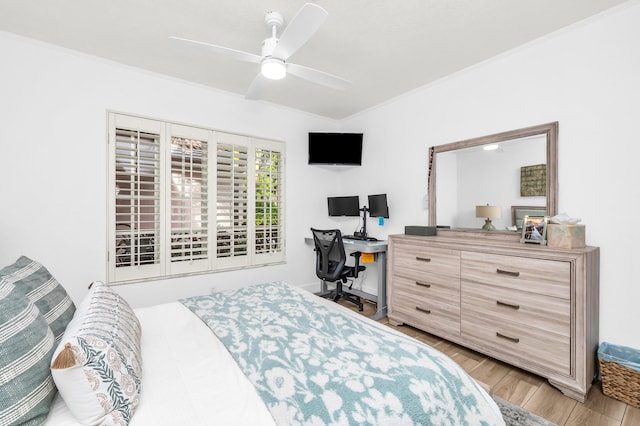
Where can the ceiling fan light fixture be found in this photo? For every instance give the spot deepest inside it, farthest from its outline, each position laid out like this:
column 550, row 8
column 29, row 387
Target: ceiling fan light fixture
column 273, row 69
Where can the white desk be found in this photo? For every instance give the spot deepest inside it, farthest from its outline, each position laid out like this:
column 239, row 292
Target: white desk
column 379, row 249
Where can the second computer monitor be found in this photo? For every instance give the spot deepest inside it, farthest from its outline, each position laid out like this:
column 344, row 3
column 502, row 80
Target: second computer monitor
column 378, row 206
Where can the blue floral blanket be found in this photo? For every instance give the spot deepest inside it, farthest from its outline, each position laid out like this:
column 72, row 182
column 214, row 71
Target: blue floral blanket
column 316, row 363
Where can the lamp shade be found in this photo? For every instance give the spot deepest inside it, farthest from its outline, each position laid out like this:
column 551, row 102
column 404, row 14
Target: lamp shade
column 488, row 211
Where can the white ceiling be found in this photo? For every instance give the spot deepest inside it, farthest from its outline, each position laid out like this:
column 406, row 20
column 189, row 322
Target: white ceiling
column 385, row 47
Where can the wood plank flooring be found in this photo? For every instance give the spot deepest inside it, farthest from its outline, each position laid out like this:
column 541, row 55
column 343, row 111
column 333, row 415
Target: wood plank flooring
column 523, row 388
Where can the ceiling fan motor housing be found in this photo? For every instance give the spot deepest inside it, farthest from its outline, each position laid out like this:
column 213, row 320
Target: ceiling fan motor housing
column 268, row 46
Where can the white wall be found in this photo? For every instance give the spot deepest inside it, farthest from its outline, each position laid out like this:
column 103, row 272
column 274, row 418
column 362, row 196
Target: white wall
column 586, row 77
column 53, row 165
column 53, row 103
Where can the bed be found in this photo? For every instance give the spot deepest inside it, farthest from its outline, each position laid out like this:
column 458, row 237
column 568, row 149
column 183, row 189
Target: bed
column 267, row 354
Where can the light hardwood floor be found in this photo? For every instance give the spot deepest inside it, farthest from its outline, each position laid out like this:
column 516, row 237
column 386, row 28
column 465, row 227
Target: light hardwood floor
column 526, row 389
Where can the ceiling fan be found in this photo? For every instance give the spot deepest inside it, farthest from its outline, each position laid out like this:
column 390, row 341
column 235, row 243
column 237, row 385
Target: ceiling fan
column 276, row 51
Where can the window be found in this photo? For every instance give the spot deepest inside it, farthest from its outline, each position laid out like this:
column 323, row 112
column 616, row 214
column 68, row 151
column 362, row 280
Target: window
column 188, row 200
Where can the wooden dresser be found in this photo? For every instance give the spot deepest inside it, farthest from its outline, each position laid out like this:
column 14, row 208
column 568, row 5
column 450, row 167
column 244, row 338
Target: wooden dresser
column 528, row 305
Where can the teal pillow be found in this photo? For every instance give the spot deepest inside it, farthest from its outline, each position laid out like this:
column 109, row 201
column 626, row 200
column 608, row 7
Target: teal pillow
column 35, row 281
column 26, row 348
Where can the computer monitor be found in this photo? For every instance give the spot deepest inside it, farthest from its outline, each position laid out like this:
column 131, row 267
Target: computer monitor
column 344, row 206
column 378, row 206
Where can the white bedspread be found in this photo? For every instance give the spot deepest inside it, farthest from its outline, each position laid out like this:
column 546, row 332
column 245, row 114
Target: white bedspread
column 189, row 378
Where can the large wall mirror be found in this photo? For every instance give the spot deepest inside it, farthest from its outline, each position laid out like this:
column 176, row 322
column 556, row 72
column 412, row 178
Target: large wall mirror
column 515, row 171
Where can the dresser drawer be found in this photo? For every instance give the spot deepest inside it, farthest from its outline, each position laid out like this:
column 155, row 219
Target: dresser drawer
column 541, row 276
column 427, row 259
column 509, row 306
column 518, row 343
column 426, row 314
column 428, row 286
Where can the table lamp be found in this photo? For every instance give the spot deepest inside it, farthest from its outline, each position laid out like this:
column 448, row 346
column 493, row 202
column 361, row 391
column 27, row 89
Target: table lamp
column 488, row 212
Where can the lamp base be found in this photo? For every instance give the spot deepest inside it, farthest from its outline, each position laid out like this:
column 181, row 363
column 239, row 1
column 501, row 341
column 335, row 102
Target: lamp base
column 488, row 226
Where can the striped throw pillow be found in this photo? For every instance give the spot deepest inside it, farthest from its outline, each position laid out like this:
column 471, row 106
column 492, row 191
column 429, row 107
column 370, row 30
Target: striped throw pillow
column 26, row 348
column 35, row 281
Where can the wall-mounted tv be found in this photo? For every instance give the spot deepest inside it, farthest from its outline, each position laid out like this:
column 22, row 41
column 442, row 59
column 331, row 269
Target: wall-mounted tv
column 335, row 148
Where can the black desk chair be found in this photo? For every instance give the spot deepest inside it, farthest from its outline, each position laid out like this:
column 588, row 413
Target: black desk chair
column 331, row 265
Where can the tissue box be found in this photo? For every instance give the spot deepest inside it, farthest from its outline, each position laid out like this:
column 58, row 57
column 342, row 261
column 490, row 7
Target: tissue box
column 565, row 236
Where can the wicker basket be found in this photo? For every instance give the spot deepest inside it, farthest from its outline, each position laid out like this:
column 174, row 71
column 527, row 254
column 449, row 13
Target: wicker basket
column 620, row 382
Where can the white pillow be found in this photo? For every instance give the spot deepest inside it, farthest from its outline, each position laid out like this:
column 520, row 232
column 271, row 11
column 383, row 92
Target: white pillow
column 98, row 365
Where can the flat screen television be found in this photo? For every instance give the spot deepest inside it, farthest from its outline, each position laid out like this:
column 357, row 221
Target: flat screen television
column 335, row 148
column 344, row 206
column 378, row 206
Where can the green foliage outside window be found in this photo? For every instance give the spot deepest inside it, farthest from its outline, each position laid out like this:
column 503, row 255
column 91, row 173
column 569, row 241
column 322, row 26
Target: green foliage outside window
column 267, row 187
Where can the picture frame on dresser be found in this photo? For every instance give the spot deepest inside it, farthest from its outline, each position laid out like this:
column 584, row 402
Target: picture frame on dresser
column 534, row 229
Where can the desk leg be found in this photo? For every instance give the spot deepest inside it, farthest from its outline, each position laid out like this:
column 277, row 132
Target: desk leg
column 381, row 306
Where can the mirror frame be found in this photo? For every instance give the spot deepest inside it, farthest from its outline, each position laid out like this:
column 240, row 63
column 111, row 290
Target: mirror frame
column 550, row 130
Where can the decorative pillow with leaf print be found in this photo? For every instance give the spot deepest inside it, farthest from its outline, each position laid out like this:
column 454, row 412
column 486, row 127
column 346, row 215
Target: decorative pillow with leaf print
column 98, row 365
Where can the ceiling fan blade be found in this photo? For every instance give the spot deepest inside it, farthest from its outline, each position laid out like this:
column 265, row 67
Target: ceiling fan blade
column 304, row 25
column 257, row 87
column 238, row 55
column 318, row 77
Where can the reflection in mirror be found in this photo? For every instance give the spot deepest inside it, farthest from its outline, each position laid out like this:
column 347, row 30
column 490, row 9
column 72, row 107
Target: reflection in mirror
column 484, row 177
column 465, row 174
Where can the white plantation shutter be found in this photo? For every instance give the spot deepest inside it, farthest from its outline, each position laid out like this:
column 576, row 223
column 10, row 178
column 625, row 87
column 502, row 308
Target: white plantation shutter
column 135, row 199
column 269, row 201
column 189, row 194
column 232, row 201
column 184, row 200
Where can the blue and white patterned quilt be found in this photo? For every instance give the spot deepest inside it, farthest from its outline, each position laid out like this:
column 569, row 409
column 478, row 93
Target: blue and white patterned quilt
column 314, row 363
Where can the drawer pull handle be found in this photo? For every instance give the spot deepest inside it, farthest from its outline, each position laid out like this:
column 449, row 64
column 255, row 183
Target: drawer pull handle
column 513, row 339
column 426, row 311
column 427, row 285
column 423, row 259
column 510, row 273
column 508, row 305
